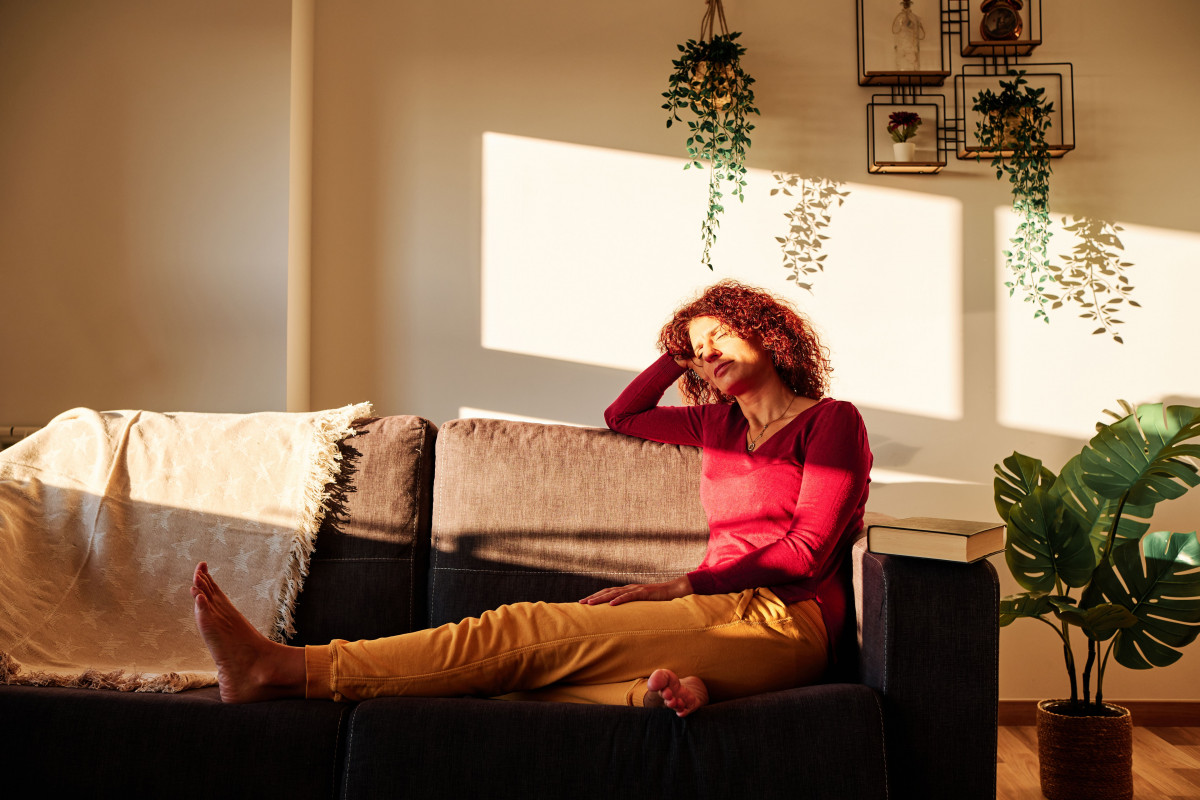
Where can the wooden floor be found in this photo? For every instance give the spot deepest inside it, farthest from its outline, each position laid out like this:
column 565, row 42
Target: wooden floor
column 1166, row 764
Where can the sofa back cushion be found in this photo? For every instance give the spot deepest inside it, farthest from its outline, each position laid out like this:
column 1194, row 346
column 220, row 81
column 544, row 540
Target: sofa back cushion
column 523, row 511
column 367, row 574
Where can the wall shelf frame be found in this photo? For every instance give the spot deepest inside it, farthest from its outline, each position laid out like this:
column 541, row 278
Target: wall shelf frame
column 974, row 43
column 891, row 53
column 914, row 48
column 1057, row 80
column 930, row 140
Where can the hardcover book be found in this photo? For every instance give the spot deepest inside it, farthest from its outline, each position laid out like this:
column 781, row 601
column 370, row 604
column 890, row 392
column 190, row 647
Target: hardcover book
column 944, row 539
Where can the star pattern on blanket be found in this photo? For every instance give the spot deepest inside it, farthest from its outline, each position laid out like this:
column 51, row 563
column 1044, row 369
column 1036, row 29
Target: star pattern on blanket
column 183, row 550
column 219, row 530
column 131, row 606
column 150, row 636
column 69, row 647
column 151, row 562
column 241, row 562
column 111, row 647
column 162, row 519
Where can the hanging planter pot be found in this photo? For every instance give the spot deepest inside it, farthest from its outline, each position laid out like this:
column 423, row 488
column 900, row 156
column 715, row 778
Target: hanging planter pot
column 1007, row 126
column 1085, row 757
column 709, row 85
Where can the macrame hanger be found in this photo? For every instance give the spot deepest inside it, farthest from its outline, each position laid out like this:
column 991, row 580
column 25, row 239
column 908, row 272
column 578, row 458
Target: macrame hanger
column 714, row 12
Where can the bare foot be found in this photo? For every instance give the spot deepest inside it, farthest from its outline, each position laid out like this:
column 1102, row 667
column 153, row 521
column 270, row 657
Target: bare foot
column 681, row 695
column 250, row 667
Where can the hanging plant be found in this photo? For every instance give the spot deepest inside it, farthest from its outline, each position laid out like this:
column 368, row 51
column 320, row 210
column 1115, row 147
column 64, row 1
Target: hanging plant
column 1093, row 275
column 1013, row 127
column 802, row 256
column 708, row 83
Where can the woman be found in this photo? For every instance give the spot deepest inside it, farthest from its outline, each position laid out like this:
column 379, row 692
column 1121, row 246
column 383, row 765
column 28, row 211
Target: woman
column 784, row 485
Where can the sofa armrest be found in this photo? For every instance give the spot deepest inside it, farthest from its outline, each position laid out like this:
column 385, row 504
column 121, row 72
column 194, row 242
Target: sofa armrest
column 929, row 644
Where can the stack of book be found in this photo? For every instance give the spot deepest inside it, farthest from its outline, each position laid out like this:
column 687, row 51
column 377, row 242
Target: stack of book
column 944, row 539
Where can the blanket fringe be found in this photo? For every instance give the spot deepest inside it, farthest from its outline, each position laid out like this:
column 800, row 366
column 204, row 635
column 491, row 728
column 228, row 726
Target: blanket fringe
column 330, row 428
column 117, row 680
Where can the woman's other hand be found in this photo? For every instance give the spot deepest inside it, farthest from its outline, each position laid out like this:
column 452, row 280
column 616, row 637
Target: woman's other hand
column 667, row 590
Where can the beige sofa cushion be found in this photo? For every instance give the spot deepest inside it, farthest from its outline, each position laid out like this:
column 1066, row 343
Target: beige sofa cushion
column 523, row 511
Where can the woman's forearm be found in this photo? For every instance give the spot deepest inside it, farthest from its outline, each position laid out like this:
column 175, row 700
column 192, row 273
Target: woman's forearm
column 636, row 411
column 644, row 392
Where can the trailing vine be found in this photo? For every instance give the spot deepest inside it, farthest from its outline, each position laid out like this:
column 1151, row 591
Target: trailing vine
column 708, row 82
column 1093, row 275
column 802, row 256
column 1013, row 127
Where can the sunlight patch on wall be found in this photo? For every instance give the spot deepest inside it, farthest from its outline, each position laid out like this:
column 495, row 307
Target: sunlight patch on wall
column 894, row 476
column 466, row 412
column 587, row 251
column 1059, row 378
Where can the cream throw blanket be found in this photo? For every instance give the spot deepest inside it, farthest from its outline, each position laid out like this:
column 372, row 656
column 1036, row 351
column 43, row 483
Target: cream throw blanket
column 104, row 515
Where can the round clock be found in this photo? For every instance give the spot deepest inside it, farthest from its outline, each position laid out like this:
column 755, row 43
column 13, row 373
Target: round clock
column 1001, row 20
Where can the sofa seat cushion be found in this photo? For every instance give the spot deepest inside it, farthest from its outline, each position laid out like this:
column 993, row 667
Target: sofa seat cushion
column 818, row 742
column 99, row 743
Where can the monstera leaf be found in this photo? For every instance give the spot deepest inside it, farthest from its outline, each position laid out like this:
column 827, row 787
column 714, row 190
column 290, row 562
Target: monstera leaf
column 1026, row 604
column 1019, row 476
column 1045, row 542
column 1158, row 581
column 1144, row 454
column 1098, row 622
column 1095, row 513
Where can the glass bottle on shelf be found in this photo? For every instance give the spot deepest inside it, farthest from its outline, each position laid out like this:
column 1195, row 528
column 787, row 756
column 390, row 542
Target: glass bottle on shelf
column 907, row 33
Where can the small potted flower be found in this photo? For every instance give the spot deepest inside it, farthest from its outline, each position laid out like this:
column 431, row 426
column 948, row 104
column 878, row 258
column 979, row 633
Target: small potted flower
column 902, row 125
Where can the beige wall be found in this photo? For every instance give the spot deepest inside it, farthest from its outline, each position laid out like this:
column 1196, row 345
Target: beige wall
column 143, row 205
column 405, row 92
column 403, row 95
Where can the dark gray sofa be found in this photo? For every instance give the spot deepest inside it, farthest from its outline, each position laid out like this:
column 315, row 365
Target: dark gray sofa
column 517, row 511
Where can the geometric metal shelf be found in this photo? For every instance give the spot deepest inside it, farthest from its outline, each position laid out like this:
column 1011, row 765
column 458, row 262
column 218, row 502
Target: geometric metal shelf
column 1057, row 80
column 931, row 152
column 884, row 60
column 973, row 43
column 907, row 46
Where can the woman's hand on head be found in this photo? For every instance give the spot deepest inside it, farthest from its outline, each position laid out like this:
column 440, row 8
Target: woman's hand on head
column 685, row 360
column 667, row 590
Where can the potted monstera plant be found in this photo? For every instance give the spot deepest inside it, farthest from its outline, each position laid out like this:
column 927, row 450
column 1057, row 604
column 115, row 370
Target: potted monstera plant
column 708, row 83
column 1080, row 544
column 1012, row 127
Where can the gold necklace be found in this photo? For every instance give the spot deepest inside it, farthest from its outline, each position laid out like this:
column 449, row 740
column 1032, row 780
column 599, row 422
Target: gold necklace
column 754, row 442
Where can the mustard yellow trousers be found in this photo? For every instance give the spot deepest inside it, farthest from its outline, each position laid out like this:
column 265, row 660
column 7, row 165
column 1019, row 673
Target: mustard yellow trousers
column 739, row 644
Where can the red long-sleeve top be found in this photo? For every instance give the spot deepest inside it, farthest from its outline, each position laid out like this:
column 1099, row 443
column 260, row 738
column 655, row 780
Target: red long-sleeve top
column 781, row 517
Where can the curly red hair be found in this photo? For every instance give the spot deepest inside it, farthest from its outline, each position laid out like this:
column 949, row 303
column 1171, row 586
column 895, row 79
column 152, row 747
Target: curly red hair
column 786, row 334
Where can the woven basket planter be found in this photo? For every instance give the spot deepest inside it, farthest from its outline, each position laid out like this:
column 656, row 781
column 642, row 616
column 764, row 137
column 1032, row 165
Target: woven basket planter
column 1085, row 758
